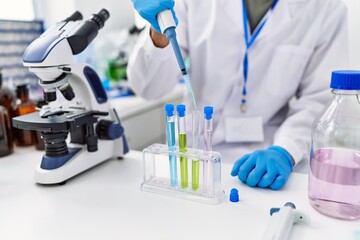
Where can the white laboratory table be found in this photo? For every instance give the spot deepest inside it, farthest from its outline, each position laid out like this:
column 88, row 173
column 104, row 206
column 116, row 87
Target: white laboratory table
column 106, row 203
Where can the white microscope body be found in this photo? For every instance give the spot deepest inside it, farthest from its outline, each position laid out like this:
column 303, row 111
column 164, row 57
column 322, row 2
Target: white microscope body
column 94, row 129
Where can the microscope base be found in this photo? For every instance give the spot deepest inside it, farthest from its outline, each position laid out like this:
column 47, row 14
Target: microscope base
column 80, row 162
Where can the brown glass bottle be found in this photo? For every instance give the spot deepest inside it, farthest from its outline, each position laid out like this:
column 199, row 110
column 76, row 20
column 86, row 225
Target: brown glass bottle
column 23, row 106
column 7, row 97
column 6, row 102
column 6, row 140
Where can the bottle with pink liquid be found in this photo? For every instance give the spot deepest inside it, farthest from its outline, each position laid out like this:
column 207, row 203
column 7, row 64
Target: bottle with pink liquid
column 334, row 175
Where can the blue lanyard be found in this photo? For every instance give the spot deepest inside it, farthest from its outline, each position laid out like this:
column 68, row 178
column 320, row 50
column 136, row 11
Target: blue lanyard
column 249, row 41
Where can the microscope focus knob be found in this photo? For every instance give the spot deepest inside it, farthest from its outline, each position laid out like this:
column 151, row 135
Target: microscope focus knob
column 109, row 130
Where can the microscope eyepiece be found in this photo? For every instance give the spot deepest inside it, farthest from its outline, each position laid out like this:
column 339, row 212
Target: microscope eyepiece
column 76, row 16
column 80, row 39
column 100, row 18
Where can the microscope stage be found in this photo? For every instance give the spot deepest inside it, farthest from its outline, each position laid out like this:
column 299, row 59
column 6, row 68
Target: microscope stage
column 55, row 123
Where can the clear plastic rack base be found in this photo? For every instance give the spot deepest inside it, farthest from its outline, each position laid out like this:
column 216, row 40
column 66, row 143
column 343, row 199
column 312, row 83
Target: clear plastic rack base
column 193, row 175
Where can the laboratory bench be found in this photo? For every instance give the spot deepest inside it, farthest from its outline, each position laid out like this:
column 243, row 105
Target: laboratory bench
column 106, row 203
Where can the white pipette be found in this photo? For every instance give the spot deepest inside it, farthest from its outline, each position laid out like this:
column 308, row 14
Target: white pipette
column 282, row 221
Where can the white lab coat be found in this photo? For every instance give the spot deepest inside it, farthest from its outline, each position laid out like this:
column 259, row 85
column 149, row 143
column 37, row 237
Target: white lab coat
column 301, row 43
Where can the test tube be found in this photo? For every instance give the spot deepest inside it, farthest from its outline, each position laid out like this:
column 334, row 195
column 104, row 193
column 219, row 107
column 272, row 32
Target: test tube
column 208, row 128
column 170, row 133
column 182, row 145
column 195, row 167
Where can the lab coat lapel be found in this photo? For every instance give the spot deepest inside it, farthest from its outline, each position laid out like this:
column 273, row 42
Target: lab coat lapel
column 280, row 16
column 234, row 10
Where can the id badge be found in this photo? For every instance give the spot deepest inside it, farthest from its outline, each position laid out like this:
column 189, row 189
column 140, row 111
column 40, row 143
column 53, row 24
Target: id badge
column 240, row 129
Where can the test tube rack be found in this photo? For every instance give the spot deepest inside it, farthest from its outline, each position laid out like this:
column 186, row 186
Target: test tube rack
column 156, row 170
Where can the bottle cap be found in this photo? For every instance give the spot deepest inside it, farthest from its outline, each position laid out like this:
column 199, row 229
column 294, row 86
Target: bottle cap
column 345, row 80
column 169, row 109
column 208, row 112
column 181, row 110
column 234, row 195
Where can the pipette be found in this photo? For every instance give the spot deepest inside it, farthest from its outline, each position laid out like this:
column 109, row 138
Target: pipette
column 208, row 128
column 282, row 220
column 167, row 26
column 170, row 133
column 182, row 145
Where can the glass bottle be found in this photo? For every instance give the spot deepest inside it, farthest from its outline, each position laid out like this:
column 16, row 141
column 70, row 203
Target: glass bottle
column 6, row 140
column 334, row 175
column 7, row 98
column 6, row 102
column 23, row 106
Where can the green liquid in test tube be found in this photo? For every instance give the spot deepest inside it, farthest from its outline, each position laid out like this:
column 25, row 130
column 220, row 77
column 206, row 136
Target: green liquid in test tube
column 183, row 161
column 182, row 146
column 195, row 167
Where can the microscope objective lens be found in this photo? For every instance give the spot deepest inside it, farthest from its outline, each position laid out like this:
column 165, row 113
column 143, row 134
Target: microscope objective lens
column 50, row 96
column 68, row 92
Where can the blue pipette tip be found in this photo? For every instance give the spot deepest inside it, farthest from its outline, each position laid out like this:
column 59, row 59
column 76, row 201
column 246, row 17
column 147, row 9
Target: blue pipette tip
column 169, row 109
column 208, row 112
column 234, row 195
column 181, row 110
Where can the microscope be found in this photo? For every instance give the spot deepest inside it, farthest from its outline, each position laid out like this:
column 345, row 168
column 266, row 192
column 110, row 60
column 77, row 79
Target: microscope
column 79, row 128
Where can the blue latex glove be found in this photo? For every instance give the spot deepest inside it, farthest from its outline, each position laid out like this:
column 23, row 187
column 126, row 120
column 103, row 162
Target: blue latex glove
column 149, row 9
column 264, row 168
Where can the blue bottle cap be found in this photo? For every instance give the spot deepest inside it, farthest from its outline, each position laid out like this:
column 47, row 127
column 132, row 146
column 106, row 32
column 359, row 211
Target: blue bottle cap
column 181, row 110
column 169, row 109
column 345, row 80
column 208, row 112
column 234, row 195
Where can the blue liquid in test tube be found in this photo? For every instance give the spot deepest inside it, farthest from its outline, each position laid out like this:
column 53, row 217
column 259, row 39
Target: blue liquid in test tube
column 170, row 133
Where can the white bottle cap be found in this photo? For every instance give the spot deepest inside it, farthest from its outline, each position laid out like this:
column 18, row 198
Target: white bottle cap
column 165, row 20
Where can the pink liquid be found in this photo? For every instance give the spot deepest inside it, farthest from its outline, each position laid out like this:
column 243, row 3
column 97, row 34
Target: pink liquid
column 334, row 182
column 208, row 167
column 208, row 140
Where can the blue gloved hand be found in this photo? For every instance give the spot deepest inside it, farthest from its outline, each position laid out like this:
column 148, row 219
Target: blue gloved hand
column 264, row 168
column 149, row 9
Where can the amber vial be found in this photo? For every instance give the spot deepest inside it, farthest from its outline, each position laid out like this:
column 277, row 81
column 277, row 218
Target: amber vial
column 6, row 140
column 23, row 106
column 6, row 104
